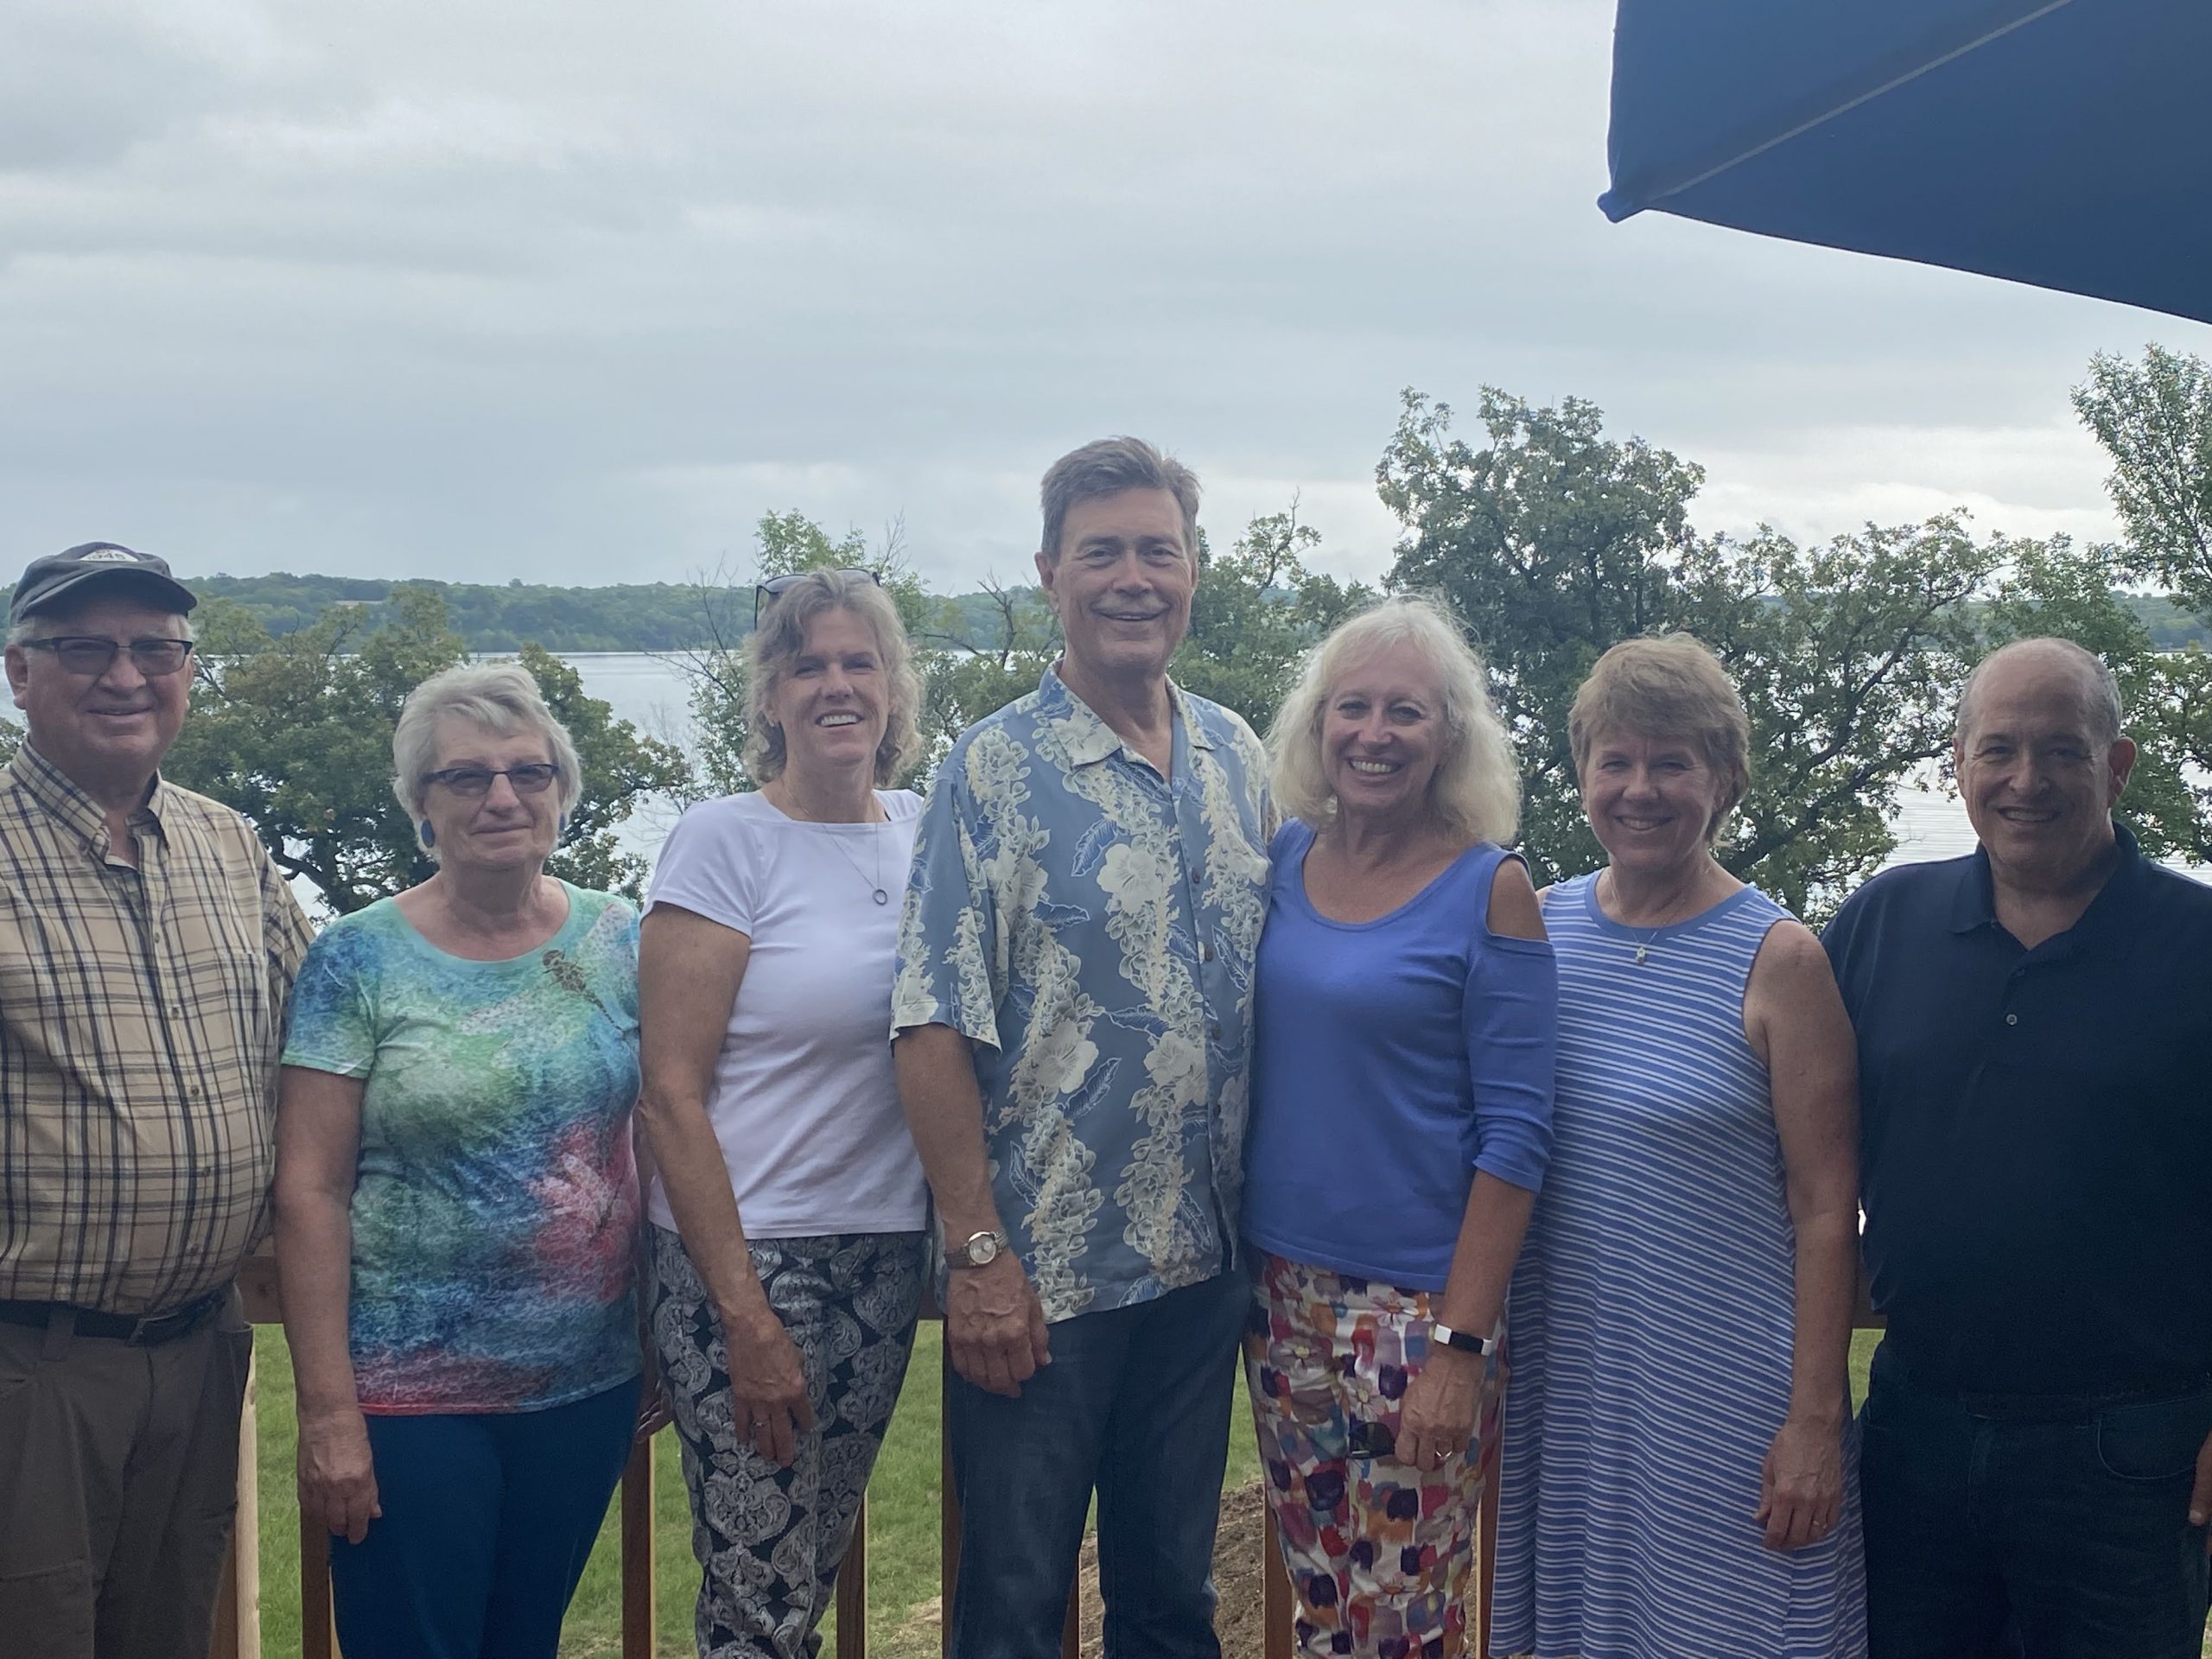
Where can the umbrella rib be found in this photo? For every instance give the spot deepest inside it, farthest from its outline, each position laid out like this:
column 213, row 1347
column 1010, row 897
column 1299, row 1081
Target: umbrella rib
column 1852, row 103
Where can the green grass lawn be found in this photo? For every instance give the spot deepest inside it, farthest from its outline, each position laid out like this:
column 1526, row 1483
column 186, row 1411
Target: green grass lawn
column 902, row 1516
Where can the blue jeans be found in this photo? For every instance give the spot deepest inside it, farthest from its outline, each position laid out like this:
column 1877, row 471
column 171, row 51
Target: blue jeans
column 1996, row 1530
column 487, row 1523
column 1135, row 1404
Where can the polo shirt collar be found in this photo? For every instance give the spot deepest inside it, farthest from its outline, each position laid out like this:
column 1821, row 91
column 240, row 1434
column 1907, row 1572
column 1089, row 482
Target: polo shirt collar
column 1087, row 738
column 1973, row 903
column 59, row 793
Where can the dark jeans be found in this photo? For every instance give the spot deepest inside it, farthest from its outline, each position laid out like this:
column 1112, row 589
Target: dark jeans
column 1135, row 1403
column 488, row 1520
column 1994, row 1532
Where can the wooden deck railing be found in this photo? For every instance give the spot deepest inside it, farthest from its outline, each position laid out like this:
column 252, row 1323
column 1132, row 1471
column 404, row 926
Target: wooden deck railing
column 238, row 1622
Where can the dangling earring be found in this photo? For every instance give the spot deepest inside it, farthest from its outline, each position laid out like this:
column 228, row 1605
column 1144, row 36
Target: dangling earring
column 429, row 835
column 561, row 826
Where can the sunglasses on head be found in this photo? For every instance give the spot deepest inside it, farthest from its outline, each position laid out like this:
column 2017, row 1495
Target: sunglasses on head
column 765, row 593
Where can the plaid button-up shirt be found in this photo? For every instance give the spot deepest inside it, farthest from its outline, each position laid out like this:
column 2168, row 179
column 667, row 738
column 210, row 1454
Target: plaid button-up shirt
column 142, row 1011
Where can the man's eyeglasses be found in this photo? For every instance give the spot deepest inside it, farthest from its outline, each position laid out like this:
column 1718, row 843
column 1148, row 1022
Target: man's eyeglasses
column 91, row 656
column 765, row 593
column 472, row 781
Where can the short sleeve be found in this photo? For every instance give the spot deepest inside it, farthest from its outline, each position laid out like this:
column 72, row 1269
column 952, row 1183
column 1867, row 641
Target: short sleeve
column 1835, row 939
column 331, row 1025
column 710, row 866
column 1510, row 1019
column 948, row 925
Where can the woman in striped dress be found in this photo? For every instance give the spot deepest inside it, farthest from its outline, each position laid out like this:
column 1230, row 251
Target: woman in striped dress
column 1679, row 1475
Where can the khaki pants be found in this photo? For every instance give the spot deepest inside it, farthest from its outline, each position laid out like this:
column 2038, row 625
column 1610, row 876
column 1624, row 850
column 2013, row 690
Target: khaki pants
column 118, row 1480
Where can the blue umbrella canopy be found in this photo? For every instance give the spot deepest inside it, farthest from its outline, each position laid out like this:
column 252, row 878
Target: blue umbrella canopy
column 2062, row 142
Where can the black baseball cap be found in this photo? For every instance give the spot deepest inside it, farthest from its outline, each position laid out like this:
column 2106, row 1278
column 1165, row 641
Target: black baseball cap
column 44, row 581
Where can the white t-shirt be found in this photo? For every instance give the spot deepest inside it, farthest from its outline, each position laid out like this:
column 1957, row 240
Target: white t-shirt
column 805, row 1105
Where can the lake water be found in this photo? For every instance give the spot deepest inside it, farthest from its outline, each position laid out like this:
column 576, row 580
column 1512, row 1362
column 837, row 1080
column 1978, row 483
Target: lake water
column 651, row 692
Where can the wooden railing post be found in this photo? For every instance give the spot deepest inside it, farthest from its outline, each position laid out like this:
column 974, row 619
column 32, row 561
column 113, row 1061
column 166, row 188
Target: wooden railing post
column 639, row 1599
column 318, row 1623
column 237, row 1598
column 852, row 1590
column 1274, row 1594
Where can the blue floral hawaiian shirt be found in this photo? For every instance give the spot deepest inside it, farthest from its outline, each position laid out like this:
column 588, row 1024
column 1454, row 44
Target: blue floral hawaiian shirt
column 1090, row 926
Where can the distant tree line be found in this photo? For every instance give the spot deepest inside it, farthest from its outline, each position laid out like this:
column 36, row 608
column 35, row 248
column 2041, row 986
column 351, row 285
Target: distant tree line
column 1551, row 540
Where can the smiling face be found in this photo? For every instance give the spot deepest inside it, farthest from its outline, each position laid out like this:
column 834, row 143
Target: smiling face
column 108, row 731
column 1121, row 584
column 834, row 700
column 499, row 829
column 1651, row 801
column 2037, row 779
column 1383, row 734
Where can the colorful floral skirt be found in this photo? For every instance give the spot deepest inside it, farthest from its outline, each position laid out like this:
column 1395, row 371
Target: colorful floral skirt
column 1380, row 1556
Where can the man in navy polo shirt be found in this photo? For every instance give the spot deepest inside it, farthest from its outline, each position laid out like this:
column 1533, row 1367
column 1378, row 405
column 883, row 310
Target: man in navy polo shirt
column 2035, row 1054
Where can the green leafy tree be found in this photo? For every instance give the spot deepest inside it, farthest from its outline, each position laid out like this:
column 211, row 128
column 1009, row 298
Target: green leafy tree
column 1847, row 656
column 785, row 543
column 2052, row 587
column 295, row 732
column 1555, row 542
column 2154, row 419
column 1256, row 611
column 1551, row 542
column 981, row 658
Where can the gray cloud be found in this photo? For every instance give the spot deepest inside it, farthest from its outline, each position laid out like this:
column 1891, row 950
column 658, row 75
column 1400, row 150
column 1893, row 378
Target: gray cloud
column 567, row 291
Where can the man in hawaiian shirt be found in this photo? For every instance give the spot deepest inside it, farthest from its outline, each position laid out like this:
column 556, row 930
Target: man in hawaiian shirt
column 1072, row 1014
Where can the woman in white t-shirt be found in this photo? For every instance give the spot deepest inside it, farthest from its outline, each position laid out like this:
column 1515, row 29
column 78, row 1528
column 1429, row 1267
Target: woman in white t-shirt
column 786, row 1206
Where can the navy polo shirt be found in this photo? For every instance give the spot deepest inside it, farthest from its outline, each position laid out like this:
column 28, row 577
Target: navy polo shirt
column 2036, row 1129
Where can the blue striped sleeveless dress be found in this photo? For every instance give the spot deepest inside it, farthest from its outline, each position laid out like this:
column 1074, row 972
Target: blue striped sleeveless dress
column 1650, row 1328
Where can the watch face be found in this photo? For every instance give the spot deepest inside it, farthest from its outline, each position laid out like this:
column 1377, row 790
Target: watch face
column 983, row 1249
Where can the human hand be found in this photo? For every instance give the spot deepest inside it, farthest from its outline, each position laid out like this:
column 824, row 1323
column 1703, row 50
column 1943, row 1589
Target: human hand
column 1436, row 1419
column 1800, row 1483
column 337, row 1474
column 994, row 1325
column 767, row 1384
column 2200, row 1496
column 656, row 1411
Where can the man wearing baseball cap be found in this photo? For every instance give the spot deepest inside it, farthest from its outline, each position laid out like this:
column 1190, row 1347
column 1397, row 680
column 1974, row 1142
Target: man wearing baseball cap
column 147, row 945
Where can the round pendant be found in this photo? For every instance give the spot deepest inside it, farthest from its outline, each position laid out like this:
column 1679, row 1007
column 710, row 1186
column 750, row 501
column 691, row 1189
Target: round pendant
column 881, row 897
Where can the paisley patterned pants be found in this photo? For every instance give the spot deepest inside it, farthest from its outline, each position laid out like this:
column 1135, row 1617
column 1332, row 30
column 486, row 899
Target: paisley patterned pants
column 1380, row 1556
column 769, row 1540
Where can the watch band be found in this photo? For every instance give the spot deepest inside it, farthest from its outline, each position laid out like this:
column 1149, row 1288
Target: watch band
column 1465, row 1341
column 976, row 1251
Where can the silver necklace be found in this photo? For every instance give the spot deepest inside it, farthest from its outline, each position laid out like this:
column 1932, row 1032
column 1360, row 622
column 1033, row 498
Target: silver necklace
column 1643, row 945
column 882, row 894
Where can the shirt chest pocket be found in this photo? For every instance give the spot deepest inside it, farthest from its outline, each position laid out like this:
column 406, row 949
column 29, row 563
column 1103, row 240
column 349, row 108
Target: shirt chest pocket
column 27, row 965
column 210, row 961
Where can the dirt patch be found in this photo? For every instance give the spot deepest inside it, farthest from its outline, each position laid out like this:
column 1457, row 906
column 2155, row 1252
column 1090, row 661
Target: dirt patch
column 1240, row 1618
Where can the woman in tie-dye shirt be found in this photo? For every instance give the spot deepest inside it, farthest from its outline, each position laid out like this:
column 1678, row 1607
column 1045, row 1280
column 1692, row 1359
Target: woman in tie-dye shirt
column 457, row 1203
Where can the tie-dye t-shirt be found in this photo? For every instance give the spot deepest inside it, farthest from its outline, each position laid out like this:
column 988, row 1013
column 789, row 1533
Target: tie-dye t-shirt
column 495, row 1206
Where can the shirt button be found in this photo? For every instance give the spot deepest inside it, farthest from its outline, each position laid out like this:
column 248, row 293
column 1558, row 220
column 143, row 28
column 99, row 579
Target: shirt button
column 1205, row 953
column 2011, row 1019
column 1214, row 1032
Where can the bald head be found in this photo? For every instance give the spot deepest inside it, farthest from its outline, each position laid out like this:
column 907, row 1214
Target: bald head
column 2027, row 663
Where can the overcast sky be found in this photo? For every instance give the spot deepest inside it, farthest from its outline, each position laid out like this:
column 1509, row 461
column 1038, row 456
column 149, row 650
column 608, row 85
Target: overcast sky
column 574, row 292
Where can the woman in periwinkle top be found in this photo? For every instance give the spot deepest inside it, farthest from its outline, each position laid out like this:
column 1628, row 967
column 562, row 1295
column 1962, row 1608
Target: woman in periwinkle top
column 456, row 1203
column 1677, row 1451
column 788, row 1203
column 1400, row 1124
